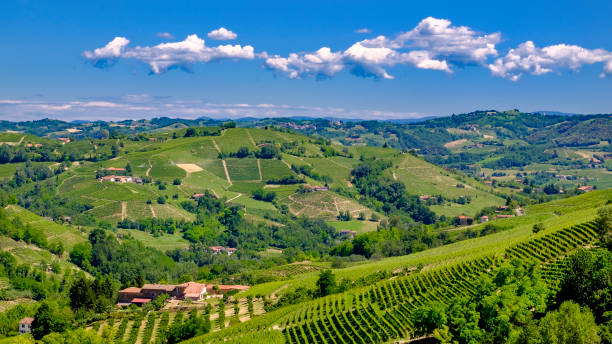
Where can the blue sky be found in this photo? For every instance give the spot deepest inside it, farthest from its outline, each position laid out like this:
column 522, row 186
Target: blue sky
column 409, row 60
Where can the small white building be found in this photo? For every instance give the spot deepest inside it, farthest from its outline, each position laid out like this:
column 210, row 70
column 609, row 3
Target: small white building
column 25, row 325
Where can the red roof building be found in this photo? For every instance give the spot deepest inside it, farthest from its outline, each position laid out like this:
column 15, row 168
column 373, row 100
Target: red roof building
column 25, row 325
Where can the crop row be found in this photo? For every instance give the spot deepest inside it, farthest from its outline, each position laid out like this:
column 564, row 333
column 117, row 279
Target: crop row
column 381, row 313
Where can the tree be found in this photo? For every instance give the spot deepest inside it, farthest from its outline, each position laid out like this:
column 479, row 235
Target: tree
column 49, row 319
column 128, row 169
column 569, row 324
column 538, row 227
column 190, row 132
column 242, row 152
column 326, row 284
column 588, row 281
column 176, row 181
column 161, row 200
column 426, row 319
column 81, row 294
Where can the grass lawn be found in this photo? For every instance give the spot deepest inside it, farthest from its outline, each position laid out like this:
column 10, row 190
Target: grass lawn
column 242, row 169
column 354, row 225
column 274, row 169
column 163, row 242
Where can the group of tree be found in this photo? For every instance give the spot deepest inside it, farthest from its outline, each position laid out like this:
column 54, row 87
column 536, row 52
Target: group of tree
column 387, row 195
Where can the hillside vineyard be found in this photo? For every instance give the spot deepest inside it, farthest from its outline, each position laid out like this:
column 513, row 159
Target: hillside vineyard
column 487, row 227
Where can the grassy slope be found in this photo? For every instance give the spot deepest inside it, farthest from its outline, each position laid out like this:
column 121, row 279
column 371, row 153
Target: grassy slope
column 554, row 215
column 66, row 234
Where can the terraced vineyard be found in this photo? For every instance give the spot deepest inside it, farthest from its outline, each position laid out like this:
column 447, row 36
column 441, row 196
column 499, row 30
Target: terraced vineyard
column 379, row 313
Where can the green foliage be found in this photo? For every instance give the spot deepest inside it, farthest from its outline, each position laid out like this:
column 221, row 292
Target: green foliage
column 50, row 318
column 587, row 280
column 326, row 284
column 568, row 324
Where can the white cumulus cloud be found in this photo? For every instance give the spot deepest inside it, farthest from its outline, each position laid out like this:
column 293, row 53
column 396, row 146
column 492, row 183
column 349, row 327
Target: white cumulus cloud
column 433, row 44
column 527, row 58
column 164, row 56
column 222, row 34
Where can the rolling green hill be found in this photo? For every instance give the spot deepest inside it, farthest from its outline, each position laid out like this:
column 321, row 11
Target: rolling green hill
column 381, row 312
column 199, row 163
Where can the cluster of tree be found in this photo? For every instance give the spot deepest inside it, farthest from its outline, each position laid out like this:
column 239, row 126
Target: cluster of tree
column 34, row 280
column 262, row 195
column 515, row 306
column 131, row 262
column 307, row 170
column 16, row 230
column 156, row 226
column 286, row 180
column 193, row 326
column 43, row 199
column 220, row 223
column 202, row 131
column 388, row 195
column 98, row 295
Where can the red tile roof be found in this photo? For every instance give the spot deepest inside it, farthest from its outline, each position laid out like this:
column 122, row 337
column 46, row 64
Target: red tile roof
column 130, row 290
column 140, row 300
column 26, row 321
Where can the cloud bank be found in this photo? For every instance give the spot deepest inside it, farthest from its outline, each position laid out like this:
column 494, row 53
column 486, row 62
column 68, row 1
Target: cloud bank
column 433, row 44
column 165, row 56
column 147, row 106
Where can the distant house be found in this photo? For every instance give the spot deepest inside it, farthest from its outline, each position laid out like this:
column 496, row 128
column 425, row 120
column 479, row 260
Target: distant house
column 25, row 325
column 503, row 216
column 488, row 182
column 348, row 234
column 221, row 249
column 320, row 188
column 191, row 291
column 49, row 218
column 138, row 296
column 425, row 197
column 465, row 220
column 484, row 219
column 586, row 188
column 118, row 179
column 116, row 169
column 63, row 140
column 197, row 196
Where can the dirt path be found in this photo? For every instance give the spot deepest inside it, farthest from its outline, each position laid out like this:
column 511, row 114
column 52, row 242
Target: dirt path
column 233, row 198
column 149, row 169
column 216, row 145
column 226, row 172
column 251, row 138
column 259, row 169
column 286, row 163
column 394, row 176
column 152, row 211
column 123, row 210
column 21, row 140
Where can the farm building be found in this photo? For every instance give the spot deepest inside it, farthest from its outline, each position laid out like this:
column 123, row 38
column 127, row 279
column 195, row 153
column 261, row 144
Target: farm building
column 25, row 325
column 502, row 216
column 348, row 234
column 465, row 220
column 185, row 291
column 585, row 188
column 221, row 249
column 484, row 219
column 120, row 179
